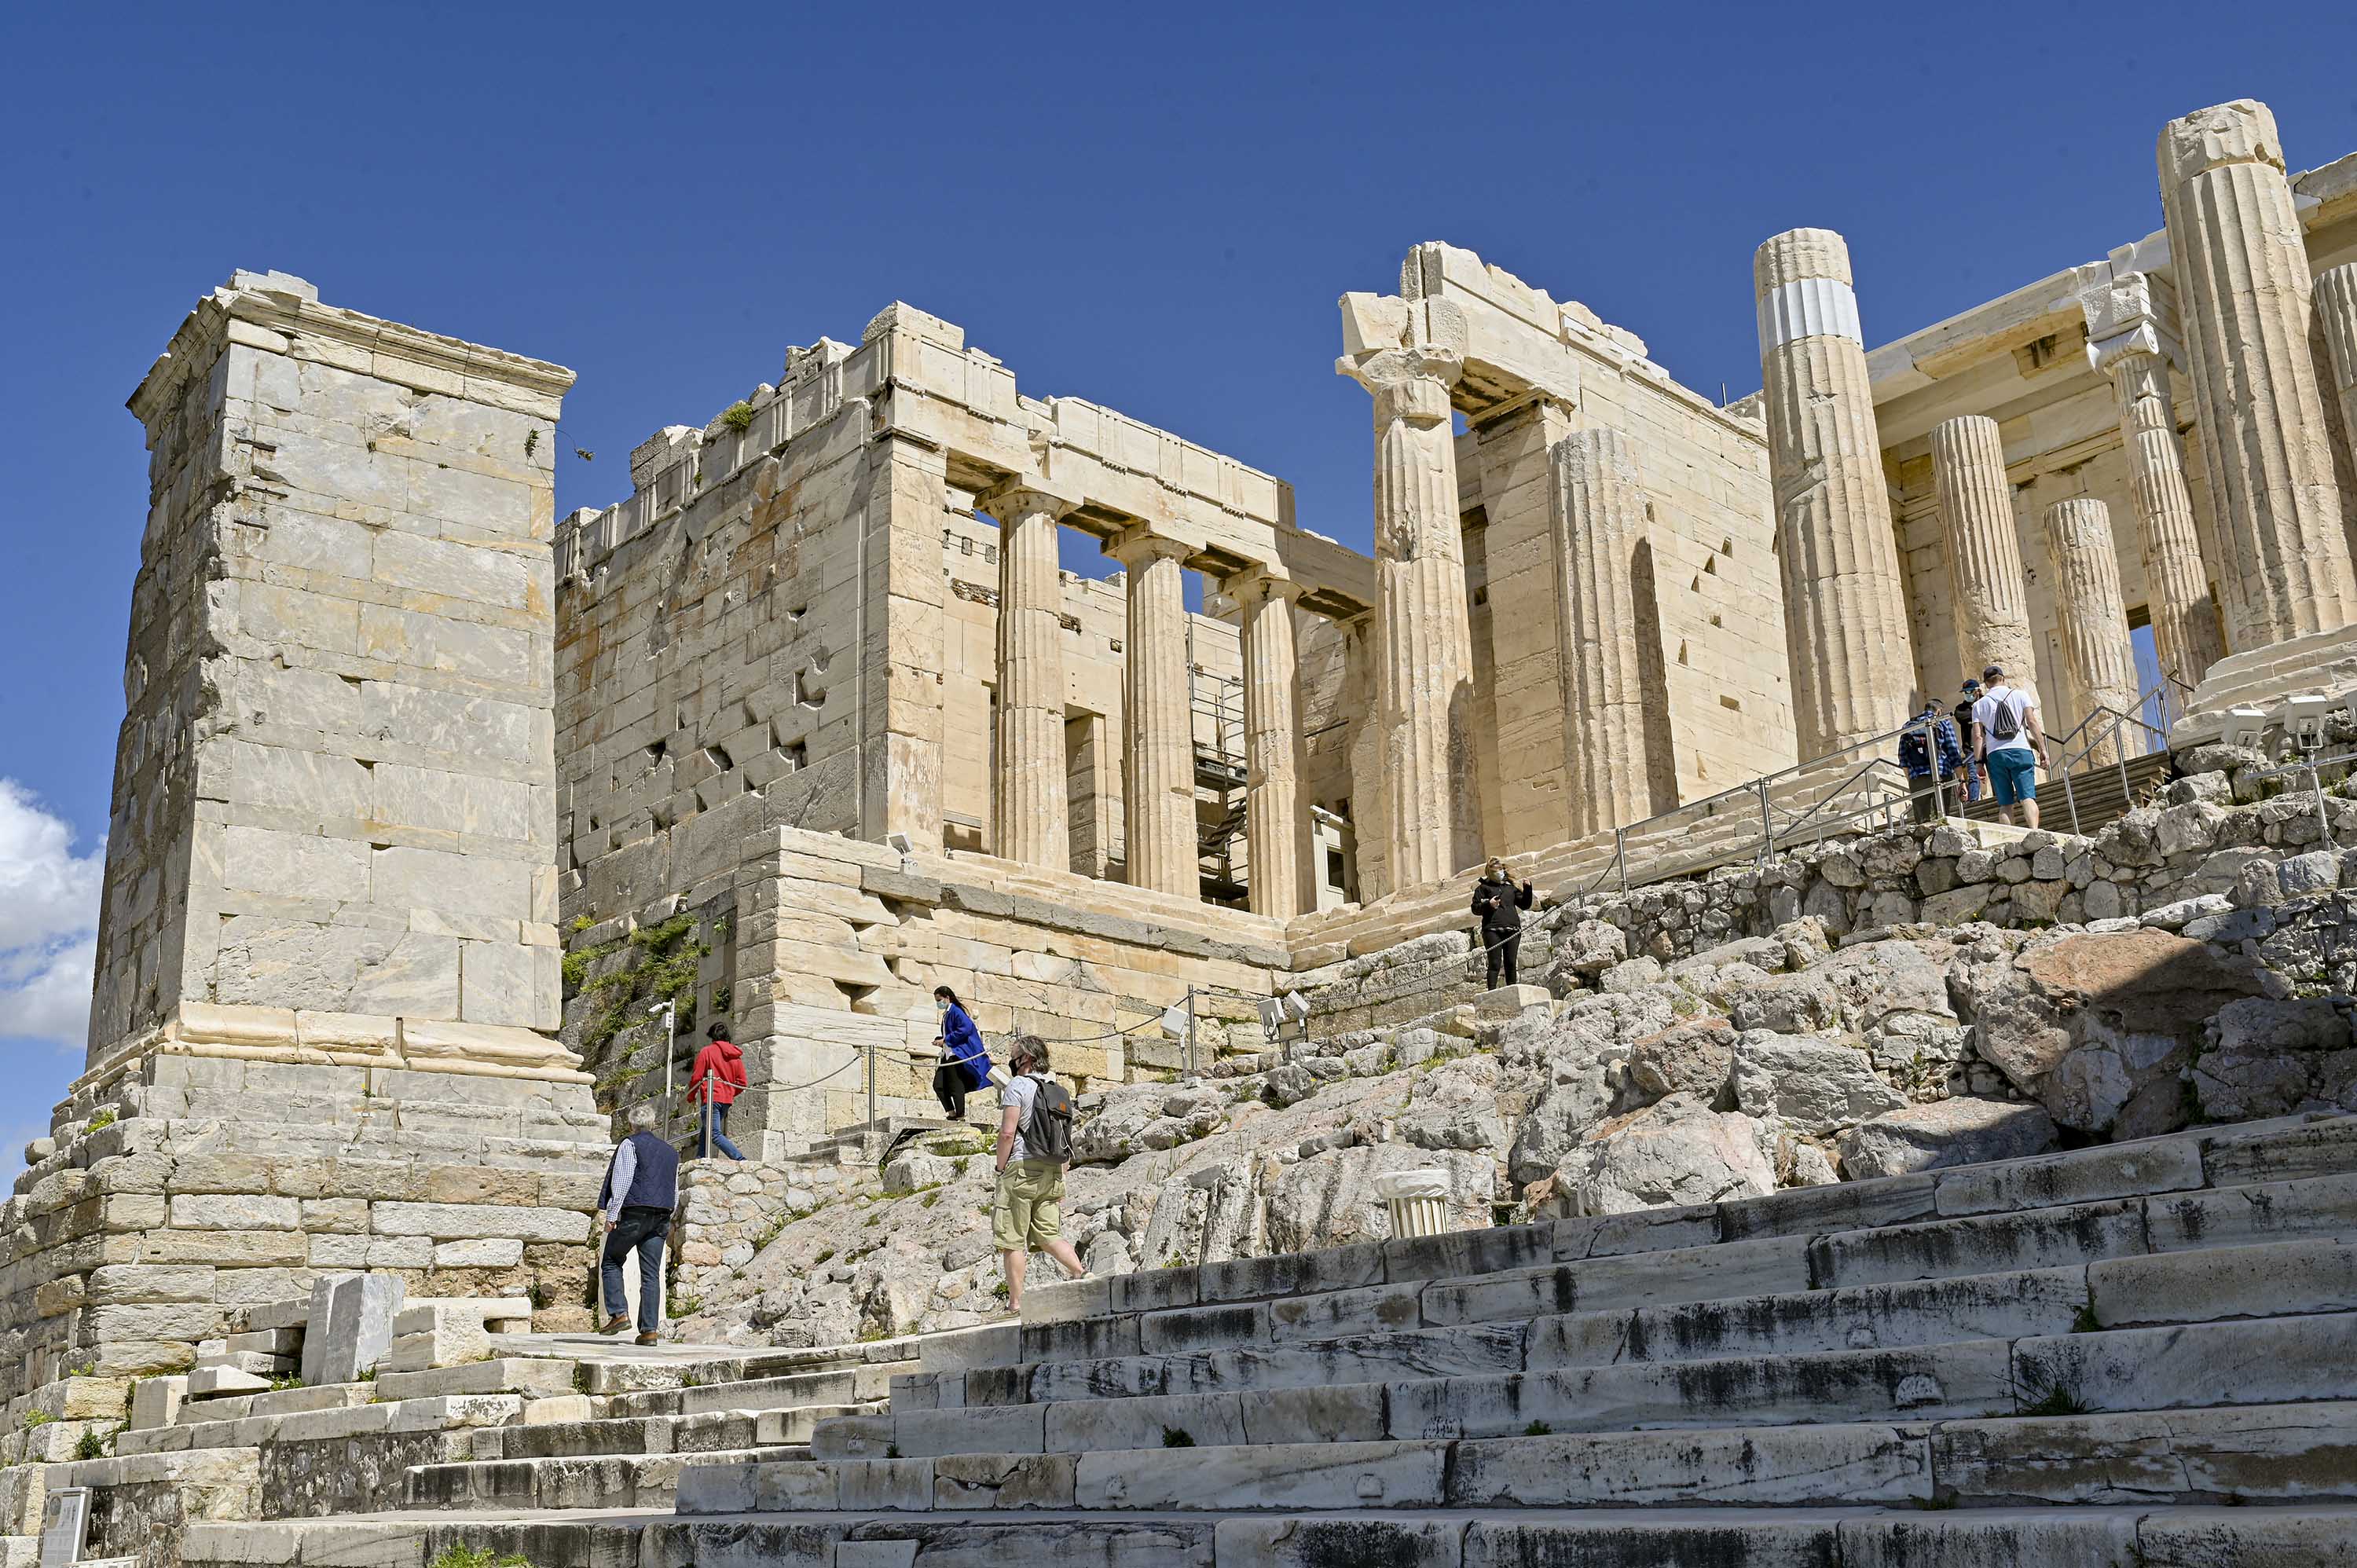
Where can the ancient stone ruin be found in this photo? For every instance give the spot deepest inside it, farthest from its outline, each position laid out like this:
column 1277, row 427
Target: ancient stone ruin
column 1836, row 1189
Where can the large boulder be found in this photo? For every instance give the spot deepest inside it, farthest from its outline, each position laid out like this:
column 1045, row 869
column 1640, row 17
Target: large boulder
column 1329, row 1199
column 1455, row 1106
column 1583, row 951
column 2265, row 1057
column 1960, row 1132
column 1813, row 1084
column 1578, row 1096
column 1688, row 1058
column 2099, row 1026
column 1678, row 1150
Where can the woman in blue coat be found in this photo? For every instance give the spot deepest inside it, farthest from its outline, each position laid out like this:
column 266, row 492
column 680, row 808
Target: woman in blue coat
column 966, row 1063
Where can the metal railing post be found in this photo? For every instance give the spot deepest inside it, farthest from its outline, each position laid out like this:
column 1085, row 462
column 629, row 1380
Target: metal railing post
column 2323, row 812
column 1767, row 823
column 2070, row 797
column 707, row 1118
column 1621, row 857
column 870, row 1048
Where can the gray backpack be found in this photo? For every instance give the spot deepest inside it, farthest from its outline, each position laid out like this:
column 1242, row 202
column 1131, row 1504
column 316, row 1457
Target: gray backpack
column 2005, row 724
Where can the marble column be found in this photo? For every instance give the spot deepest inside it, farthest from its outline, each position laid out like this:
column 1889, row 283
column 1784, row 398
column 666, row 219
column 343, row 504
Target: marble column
column 2098, row 659
column 1030, row 813
column 2336, row 321
column 1845, row 598
column 1602, row 516
column 2132, row 339
column 1408, row 355
column 1986, row 595
column 1157, row 756
column 1276, row 814
column 2243, row 282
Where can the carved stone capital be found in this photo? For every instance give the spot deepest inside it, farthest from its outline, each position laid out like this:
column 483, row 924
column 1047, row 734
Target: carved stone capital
column 1258, row 585
column 2127, row 314
column 1139, row 546
column 1410, row 383
column 1024, row 497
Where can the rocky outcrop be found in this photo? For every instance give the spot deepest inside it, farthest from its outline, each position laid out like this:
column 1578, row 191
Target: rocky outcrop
column 1961, row 1132
column 1677, row 1151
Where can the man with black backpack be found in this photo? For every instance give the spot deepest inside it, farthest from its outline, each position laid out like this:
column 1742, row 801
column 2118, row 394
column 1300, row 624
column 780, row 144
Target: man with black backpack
column 2006, row 739
column 1035, row 1144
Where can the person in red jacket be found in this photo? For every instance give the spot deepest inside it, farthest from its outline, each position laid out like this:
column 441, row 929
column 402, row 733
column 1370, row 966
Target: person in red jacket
column 719, row 1074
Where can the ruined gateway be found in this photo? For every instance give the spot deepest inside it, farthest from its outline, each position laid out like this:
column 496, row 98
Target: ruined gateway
column 442, row 824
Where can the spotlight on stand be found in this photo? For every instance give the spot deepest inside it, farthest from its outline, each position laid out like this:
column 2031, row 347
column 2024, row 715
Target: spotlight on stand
column 901, row 844
column 2246, row 728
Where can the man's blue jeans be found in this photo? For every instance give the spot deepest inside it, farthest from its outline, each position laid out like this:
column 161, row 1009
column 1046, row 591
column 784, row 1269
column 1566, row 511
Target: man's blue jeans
column 641, row 1231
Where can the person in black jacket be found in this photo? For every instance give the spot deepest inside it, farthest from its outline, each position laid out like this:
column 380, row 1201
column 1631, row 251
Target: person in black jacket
column 1498, row 904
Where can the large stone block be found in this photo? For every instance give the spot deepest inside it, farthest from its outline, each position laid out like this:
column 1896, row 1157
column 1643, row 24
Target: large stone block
column 350, row 1326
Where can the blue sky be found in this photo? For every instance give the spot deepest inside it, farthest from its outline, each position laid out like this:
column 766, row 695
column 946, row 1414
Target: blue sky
column 1153, row 208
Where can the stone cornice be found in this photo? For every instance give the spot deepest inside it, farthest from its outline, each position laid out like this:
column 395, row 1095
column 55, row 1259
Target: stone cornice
column 281, row 314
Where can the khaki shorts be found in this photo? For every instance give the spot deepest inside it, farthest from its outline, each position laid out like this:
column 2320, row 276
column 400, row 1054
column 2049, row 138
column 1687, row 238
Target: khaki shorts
column 1023, row 1213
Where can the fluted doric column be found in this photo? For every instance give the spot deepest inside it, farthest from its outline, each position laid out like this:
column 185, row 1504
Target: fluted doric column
column 1031, row 804
column 2336, row 318
column 1276, row 816
column 1157, row 754
column 2243, row 282
column 2098, row 659
column 1845, row 600
column 1602, row 515
column 1407, row 354
column 2132, row 339
column 1987, row 597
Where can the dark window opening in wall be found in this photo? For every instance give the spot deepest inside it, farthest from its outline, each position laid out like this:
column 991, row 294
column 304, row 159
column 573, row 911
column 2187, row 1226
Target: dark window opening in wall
column 1733, row 704
column 1337, row 869
column 1480, row 595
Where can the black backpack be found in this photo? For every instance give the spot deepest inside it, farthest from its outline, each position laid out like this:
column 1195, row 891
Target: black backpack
column 1048, row 1130
column 1915, row 751
column 2005, row 721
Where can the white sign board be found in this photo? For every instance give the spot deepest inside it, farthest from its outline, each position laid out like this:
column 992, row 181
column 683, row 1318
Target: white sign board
column 65, row 1522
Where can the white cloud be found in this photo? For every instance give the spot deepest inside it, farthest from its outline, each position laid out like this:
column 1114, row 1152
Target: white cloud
column 48, row 921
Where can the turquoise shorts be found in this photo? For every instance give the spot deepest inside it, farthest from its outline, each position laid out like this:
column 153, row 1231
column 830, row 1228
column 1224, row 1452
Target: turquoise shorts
column 2013, row 775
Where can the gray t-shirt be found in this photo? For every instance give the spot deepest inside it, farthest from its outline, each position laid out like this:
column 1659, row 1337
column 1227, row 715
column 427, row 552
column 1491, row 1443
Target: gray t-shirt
column 1019, row 1092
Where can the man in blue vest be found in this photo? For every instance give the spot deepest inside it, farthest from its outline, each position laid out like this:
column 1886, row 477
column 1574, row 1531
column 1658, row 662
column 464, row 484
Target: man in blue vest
column 641, row 1189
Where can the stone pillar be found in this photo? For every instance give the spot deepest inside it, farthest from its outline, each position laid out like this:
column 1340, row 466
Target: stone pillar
column 1030, row 814
column 1157, row 756
column 1603, row 521
column 1985, row 585
column 2098, row 659
column 2336, row 321
column 2132, row 339
column 335, row 827
column 1408, row 355
column 1845, row 598
column 1276, row 815
column 2242, row 280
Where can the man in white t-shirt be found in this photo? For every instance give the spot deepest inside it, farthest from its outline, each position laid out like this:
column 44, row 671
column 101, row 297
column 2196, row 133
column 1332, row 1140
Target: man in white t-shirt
column 2009, row 745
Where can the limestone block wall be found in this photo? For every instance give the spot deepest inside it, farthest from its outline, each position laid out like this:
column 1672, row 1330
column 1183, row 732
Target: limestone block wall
column 333, row 815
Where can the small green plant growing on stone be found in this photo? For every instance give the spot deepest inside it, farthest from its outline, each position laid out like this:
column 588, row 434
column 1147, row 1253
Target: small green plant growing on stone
column 737, row 417
column 872, row 1334
column 2086, row 1322
column 104, row 1119
column 1177, row 1437
column 531, row 442
column 2058, row 1400
column 278, row 1385
column 89, row 1446
column 684, row 1307
column 87, row 1369
column 933, row 1195
column 1537, row 1429
column 999, row 1290
column 822, row 1257
column 892, row 1451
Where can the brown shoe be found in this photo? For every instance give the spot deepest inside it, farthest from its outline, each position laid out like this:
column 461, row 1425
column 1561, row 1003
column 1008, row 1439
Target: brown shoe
column 648, row 1340
column 615, row 1325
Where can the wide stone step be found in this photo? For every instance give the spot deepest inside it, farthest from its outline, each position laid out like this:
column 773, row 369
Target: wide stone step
column 2067, row 1235
column 2311, row 1536
column 643, row 1434
column 2265, row 1454
column 2269, row 1360
column 603, row 1539
column 849, row 1385
column 2306, row 1276
column 598, row 1481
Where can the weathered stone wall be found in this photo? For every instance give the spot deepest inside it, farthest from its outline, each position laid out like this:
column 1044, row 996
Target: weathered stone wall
column 332, row 790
